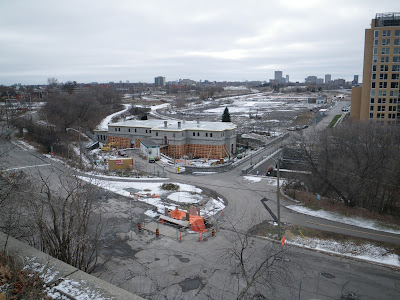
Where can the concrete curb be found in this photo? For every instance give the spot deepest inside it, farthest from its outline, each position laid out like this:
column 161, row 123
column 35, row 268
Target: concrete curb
column 63, row 272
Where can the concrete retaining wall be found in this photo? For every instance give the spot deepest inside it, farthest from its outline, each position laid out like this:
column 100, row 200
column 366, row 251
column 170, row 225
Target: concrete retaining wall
column 57, row 273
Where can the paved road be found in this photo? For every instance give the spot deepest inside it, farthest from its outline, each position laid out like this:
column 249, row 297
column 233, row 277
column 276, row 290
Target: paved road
column 165, row 268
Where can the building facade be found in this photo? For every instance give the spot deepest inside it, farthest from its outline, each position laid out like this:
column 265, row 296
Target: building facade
column 378, row 97
column 328, row 78
column 278, row 76
column 175, row 138
column 159, row 81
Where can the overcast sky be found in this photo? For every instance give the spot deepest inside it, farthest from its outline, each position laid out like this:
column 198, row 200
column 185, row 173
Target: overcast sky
column 218, row 40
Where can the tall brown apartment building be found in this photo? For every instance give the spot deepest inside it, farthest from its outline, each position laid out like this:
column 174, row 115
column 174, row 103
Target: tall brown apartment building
column 378, row 97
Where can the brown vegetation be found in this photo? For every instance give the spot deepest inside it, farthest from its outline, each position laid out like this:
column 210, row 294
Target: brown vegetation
column 356, row 164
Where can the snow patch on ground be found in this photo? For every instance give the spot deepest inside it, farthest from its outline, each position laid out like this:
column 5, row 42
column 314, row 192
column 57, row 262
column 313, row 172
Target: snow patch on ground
column 355, row 221
column 185, row 197
column 149, row 192
column 364, row 251
column 104, row 124
column 252, row 179
column 70, row 289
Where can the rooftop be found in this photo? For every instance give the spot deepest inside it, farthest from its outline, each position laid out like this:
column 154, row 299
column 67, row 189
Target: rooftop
column 173, row 125
column 387, row 19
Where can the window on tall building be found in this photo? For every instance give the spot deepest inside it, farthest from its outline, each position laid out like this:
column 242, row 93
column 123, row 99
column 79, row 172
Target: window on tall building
column 373, row 76
column 383, row 76
column 372, row 84
column 385, row 59
column 372, row 93
column 194, row 133
column 382, row 84
column 397, row 33
column 372, row 101
column 394, row 85
column 375, row 51
column 396, row 50
column 386, row 33
column 371, row 115
column 396, row 42
column 375, row 59
column 396, row 68
column 376, row 42
column 210, row 134
column 384, row 68
column 206, row 134
column 385, row 42
column 379, row 100
column 371, row 108
column 396, row 59
column 378, row 108
column 385, row 51
column 382, row 93
column 376, row 33
column 394, row 93
column 373, row 68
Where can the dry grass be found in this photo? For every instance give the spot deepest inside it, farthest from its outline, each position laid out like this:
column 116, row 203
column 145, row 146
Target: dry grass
column 306, row 117
column 310, row 200
column 18, row 283
column 291, row 231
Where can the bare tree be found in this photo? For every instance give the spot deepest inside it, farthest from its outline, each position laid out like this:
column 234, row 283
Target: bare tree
column 258, row 267
column 61, row 221
column 357, row 164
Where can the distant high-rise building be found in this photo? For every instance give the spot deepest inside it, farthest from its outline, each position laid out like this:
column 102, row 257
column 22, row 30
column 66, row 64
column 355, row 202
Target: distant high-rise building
column 278, row 76
column 287, row 78
column 159, row 81
column 328, row 78
column 378, row 97
column 355, row 80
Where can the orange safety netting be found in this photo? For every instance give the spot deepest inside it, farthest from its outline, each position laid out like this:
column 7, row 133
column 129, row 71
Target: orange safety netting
column 177, row 214
column 197, row 223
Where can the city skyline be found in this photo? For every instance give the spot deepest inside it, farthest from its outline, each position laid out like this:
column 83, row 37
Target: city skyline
column 102, row 41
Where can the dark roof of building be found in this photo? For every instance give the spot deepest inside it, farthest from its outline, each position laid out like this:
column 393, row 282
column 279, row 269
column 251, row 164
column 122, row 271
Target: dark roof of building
column 149, row 143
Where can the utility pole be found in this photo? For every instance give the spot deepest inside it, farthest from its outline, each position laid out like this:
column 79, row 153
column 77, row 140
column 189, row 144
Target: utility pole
column 80, row 149
column 278, row 199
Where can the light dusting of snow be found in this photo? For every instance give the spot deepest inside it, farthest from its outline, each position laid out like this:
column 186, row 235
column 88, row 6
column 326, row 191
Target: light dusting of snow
column 355, row 221
column 252, row 179
column 364, row 251
column 74, row 290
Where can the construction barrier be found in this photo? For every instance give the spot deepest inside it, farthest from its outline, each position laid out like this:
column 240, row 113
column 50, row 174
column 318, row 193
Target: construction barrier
column 157, row 233
column 139, row 227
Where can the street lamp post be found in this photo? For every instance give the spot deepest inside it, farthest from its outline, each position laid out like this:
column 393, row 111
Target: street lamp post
column 80, row 145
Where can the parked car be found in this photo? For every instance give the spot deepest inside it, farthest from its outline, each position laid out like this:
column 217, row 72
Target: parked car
column 122, row 153
column 291, row 128
column 152, row 159
column 304, row 126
